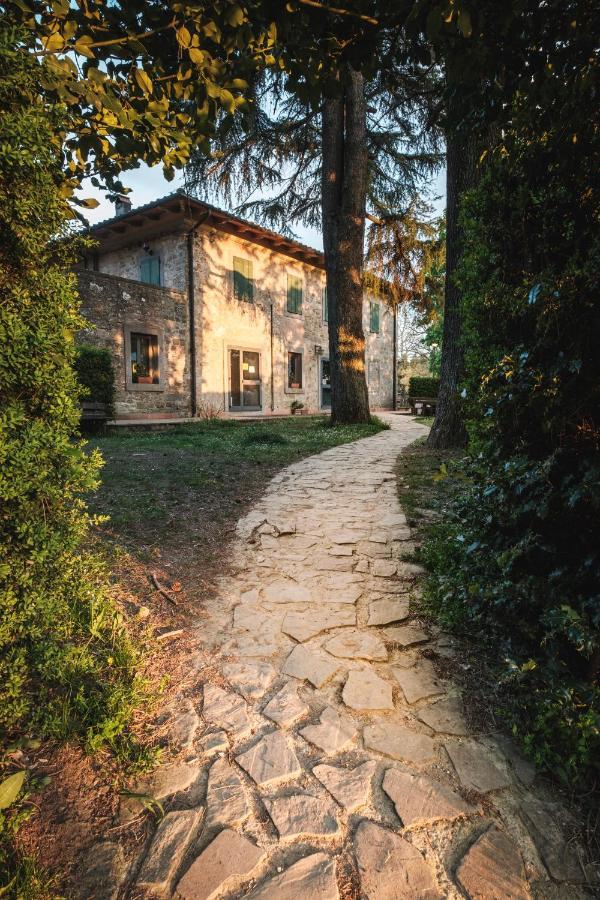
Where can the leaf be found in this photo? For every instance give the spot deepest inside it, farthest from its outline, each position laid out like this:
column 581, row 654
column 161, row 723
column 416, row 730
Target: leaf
column 143, row 79
column 90, row 203
column 10, row 787
column 183, row 37
column 236, row 16
column 196, row 56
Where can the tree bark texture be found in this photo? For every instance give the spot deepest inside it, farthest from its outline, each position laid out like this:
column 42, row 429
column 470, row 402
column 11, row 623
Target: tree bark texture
column 448, row 429
column 344, row 191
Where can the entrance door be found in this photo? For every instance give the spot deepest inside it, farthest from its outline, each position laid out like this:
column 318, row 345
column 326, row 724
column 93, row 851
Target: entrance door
column 325, row 377
column 244, row 380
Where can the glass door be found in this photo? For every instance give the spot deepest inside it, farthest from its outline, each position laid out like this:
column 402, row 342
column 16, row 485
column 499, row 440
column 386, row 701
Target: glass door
column 325, row 374
column 244, row 380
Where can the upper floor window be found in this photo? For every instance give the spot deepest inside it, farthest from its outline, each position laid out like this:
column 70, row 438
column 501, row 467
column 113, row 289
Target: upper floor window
column 294, row 294
column 150, row 270
column 374, row 317
column 325, row 305
column 243, row 283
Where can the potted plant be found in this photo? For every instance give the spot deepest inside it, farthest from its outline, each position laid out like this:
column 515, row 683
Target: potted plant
column 296, row 406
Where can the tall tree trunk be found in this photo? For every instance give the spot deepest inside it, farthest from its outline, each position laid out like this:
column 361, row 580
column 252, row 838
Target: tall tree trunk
column 448, row 429
column 344, row 191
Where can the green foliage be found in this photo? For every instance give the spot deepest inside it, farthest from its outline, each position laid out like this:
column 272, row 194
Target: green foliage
column 66, row 665
column 421, row 386
column 520, row 559
column 94, row 369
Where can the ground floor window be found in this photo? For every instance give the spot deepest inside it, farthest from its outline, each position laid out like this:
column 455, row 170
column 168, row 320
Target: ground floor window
column 295, row 371
column 325, row 379
column 245, row 387
column 144, row 358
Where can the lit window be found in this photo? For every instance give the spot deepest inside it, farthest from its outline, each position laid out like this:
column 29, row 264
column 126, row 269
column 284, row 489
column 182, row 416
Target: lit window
column 295, row 370
column 243, row 284
column 294, row 294
column 144, row 358
column 374, row 317
column 150, row 270
column 325, row 305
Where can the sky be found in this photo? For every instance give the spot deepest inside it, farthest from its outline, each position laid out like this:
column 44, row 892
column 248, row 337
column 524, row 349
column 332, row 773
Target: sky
column 148, row 184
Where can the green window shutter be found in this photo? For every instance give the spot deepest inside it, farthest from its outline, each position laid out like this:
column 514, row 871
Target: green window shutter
column 150, row 270
column 374, row 318
column 243, row 284
column 325, row 305
column 294, row 294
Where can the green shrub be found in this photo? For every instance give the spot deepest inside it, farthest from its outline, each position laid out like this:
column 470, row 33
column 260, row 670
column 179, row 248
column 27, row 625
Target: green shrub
column 95, row 372
column 422, row 386
column 518, row 561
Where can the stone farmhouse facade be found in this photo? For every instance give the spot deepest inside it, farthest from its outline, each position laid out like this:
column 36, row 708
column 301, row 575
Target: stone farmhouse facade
column 203, row 311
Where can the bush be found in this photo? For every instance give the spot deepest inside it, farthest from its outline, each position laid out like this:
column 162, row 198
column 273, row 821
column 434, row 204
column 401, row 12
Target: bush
column 421, row 386
column 94, row 369
column 519, row 559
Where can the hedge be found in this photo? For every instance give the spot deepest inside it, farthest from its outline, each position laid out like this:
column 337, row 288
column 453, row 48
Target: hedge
column 422, row 386
column 95, row 373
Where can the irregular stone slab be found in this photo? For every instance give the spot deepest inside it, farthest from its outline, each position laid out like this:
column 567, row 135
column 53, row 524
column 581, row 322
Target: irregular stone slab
column 362, row 566
column 312, row 665
column 390, row 868
column 559, row 856
column 357, row 645
column 379, row 537
column 228, row 711
column 350, row 787
column 287, row 591
column 418, row 682
column 215, row 742
column 475, row 768
column 302, row 814
column 374, row 549
column 333, row 563
column 183, row 727
column 173, row 836
column 399, row 742
column 364, row 689
column 286, row 707
column 251, row 679
column 105, row 871
column 341, row 550
column 406, row 635
column 524, row 769
column 311, row 877
column 226, row 800
column 270, row 760
column 387, row 586
column 345, row 536
column 410, row 570
column 419, row 799
column 445, row 717
column 169, row 780
column 228, row 856
column 247, row 617
column 304, row 625
column 388, row 609
column 383, row 568
column 249, row 597
column 344, row 593
column 333, row 733
column 493, row 867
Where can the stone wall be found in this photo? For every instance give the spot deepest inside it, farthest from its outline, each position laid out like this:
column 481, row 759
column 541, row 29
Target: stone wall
column 112, row 305
column 169, row 248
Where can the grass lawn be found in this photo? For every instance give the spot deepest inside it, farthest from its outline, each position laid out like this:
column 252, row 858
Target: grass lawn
column 179, row 492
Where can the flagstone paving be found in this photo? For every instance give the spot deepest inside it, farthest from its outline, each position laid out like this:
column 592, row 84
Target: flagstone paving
column 330, row 759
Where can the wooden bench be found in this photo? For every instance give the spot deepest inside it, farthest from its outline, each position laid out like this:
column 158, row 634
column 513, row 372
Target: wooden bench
column 93, row 412
column 423, row 406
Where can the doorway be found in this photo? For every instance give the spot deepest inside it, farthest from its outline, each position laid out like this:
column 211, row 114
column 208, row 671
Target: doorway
column 325, row 383
column 245, row 388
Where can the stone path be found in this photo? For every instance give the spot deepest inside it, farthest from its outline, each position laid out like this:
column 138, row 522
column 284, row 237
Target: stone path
column 330, row 760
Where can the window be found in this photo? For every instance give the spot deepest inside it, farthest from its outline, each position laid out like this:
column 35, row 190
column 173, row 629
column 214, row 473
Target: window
column 245, row 388
column 243, row 285
column 374, row 317
column 295, row 371
column 373, row 376
column 294, row 294
column 143, row 357
column 325, row 305
column 150, row 270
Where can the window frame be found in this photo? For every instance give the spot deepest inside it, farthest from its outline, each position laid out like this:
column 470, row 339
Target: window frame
column 155, row 257
column 151, row 330
column 324, row 305
column 294, row 312
column 374, row 305
column 242, row 297
column 288, row 387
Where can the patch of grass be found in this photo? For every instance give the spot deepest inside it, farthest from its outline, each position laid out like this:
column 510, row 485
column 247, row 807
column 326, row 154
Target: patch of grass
column 424, row 420
column 426, row 482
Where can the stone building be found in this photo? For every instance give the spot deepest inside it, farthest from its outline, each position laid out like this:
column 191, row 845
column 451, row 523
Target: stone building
column 204, row 311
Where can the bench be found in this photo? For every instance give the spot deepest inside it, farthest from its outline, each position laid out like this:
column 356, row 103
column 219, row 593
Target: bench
column 423, row 406
column 93, row 412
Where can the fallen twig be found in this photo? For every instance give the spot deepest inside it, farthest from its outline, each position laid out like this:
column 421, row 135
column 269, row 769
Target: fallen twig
column 162, row 590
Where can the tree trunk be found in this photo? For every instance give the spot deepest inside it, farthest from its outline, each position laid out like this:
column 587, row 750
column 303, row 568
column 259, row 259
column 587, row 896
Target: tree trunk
column 448, row 429
column 344, row 190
